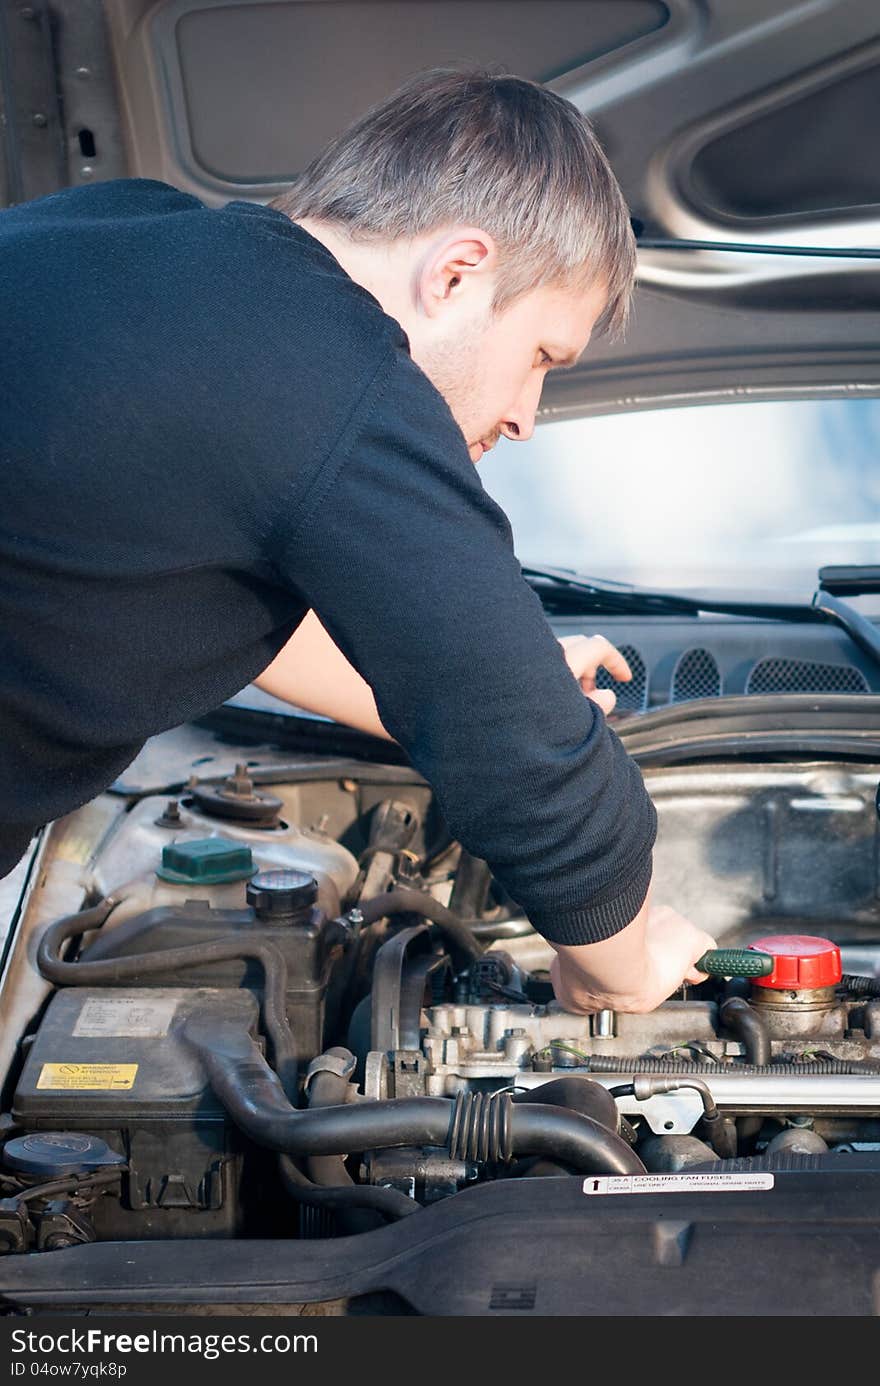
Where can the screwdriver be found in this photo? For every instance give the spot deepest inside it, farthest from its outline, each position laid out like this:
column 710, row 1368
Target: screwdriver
column 736, row 962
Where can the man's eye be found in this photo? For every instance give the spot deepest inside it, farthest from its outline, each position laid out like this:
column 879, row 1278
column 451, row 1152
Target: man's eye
column 546, row 358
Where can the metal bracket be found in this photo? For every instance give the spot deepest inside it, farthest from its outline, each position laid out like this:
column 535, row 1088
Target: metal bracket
column 331, row 1063
column 408, row 1073
column 667, row 1114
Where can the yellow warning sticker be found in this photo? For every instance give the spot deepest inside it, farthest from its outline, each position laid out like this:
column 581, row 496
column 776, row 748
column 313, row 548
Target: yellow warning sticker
column 96, row 1077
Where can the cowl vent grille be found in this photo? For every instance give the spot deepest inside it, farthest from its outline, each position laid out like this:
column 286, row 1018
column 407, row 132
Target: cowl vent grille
column 803, row 676
column 696, row 675
column 633, row 696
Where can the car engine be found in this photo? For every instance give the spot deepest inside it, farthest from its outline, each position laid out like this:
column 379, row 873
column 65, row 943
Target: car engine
column 285, row 1002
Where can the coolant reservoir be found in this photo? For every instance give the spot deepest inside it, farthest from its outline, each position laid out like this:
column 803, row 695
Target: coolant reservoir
column 130, row 867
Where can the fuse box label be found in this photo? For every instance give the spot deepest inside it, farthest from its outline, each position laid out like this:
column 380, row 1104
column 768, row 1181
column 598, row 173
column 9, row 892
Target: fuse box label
column 124, row 1017
column 677, row 1183
column 88, row 1077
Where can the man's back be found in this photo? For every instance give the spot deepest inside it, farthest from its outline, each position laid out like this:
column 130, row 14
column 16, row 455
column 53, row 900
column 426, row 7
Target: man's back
column 207, row 428
column 173, row 378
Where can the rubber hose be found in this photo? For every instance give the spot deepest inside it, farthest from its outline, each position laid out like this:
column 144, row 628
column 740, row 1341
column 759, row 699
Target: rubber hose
column 391, row 1203
column 747, row 1025
column 490, row 930
column 110, row 971
column 404, row 901
column 577, row 1094
column 860, row 986
column 327, row 1089
column 252, row 1094
column 611, row 1063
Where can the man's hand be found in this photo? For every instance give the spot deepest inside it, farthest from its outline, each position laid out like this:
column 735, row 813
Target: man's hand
column 585, row 655
column 634, row 970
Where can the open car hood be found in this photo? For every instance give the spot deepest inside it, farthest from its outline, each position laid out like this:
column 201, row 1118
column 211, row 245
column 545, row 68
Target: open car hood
column 750, row 123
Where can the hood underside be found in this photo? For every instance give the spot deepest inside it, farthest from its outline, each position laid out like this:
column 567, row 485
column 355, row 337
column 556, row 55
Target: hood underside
column 750, row 122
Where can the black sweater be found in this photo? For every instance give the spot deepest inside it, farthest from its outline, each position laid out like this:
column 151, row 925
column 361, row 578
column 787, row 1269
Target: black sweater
column 206, row 428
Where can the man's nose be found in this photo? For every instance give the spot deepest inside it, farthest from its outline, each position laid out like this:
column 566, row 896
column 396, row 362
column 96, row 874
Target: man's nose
column 519, row 423
column 519, row 432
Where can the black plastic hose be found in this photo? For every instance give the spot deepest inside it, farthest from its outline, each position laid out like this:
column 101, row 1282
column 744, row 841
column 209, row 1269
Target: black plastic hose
column 252, row 1094
column 391, row 1203
column 747, row 1025
column 860, row 986
column 575, row 1093
column 623, row 1063
column 111, row 971
column 405, row 901
column 328, row 1089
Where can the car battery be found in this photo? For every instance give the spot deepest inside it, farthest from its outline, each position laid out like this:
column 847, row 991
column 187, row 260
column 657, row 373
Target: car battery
column 113, row 1063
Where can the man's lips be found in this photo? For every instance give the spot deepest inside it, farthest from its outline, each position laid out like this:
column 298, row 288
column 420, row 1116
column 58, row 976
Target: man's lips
column 483, row 448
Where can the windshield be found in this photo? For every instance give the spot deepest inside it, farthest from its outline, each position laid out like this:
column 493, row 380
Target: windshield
column 731, row 495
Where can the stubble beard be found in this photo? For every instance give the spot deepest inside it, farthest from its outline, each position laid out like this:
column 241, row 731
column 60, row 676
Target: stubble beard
column 455, row 369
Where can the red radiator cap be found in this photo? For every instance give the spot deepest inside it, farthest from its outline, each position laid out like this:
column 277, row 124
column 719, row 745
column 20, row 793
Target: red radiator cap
column 803, row 962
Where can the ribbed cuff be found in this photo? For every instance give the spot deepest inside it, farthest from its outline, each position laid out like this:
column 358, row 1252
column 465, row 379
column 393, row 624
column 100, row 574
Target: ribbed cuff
column 593, row 923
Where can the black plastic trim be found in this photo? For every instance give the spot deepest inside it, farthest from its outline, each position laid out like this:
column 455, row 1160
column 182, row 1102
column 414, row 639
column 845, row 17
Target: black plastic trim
column 528, row 1246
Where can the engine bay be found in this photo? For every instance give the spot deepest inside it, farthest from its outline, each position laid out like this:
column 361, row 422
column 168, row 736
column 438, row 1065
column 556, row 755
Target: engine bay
column 282, row 1002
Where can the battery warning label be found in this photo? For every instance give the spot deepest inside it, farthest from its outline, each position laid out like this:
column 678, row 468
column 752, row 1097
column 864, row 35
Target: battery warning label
column 677, row 1183
column 88, row 1077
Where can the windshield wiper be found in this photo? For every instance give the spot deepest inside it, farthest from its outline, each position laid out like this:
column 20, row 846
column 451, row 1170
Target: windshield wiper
column 582, row 593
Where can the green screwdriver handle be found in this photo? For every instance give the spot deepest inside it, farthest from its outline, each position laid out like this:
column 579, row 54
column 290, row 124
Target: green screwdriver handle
column 736, row 962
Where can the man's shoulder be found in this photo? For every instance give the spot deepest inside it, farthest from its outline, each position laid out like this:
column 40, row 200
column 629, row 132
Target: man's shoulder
column 113, row 200
column 243, row 251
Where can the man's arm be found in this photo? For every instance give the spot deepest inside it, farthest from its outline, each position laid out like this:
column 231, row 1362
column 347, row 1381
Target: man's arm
column 411, row 568
column 635, row 969
column 314, row 674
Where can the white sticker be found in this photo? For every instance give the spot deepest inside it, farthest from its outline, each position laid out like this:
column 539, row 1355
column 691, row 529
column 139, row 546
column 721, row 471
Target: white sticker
column 125, row 1017
column 676, row 1183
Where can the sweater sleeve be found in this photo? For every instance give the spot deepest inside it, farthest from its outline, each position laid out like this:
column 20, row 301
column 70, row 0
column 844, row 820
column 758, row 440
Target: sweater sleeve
column 410, row 566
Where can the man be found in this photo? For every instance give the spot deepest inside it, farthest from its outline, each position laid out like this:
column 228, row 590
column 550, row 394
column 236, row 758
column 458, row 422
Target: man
column 216, row 421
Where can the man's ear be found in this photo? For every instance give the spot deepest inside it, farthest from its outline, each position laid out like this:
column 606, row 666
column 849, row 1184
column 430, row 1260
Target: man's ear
column 457, row 265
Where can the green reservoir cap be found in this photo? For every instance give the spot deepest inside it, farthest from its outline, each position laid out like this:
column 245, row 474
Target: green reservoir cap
column 209, row 861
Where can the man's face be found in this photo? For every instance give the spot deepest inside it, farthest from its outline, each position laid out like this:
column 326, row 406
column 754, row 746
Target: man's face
column 490, row 368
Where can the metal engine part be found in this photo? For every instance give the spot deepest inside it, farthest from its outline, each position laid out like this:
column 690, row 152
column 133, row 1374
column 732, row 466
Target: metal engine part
column 486, row 1045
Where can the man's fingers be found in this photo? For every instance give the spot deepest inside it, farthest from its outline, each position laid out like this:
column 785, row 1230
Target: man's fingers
column 585, row 654
column 692, row 974
column 611, row 658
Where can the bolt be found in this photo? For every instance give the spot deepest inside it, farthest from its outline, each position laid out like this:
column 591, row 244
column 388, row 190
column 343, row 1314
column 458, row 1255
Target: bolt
column 86, row 171
column 40, row 120
column 83, row 72
column 28, row 13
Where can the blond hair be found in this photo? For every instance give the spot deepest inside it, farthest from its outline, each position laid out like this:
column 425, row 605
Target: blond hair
column 494, row 151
